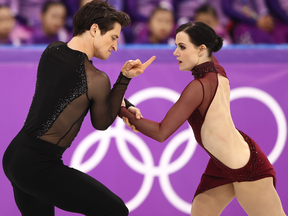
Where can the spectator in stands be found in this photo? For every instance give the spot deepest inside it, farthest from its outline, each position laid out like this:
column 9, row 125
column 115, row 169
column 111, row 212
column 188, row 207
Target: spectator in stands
column 185, row 10
column 53, row 18
column 208, row 15
column 252, row 22
column 279, row 10
column 160, row 28
column 28, row 12
column 140, row 12
column 118, row 4
column 7, row 22
column 11, row 32
column 72, row 6
column 12, row 4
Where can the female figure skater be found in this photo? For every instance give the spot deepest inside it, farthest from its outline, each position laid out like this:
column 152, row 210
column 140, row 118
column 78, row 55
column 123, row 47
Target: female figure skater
column 68, row 85
column 237, row 166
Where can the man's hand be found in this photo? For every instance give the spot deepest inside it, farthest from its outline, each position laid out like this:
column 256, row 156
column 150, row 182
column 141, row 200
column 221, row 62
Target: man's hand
column 135, row 111
column 133, row 68
column 138, row 115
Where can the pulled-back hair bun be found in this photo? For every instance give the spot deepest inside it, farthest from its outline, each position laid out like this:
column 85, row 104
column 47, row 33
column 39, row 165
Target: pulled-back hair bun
column 218, row 43
column 200, row 33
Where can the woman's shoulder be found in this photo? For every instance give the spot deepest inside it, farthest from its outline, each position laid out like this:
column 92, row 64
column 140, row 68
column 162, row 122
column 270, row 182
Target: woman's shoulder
column 195, row 85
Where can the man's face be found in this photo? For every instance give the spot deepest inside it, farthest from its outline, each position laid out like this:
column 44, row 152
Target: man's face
column 104, row 44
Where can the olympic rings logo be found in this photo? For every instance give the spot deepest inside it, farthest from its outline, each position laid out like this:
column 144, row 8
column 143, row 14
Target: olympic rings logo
column 271, row 103
column 165, row 168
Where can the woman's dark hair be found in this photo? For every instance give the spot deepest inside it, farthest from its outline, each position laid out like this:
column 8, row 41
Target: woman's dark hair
column 101, row 13
column 200, row 33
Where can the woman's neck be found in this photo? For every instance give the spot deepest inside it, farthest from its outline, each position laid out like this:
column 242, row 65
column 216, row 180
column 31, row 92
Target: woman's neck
column 200, row 70
column 203, row 59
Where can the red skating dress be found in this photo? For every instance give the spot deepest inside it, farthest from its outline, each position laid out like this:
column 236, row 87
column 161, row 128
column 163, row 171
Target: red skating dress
column 193, row 105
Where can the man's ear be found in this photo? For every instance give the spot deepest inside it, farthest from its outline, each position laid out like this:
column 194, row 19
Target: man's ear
column 94, row 29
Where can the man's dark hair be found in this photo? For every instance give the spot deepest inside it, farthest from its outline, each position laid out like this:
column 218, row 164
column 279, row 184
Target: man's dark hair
column 101, row 13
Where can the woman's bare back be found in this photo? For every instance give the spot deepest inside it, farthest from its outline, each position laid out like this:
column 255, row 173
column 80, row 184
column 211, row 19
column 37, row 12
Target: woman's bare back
column 218, row 132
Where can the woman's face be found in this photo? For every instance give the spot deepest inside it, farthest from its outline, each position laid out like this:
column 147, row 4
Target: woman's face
column 104, row 44
column 187, row 53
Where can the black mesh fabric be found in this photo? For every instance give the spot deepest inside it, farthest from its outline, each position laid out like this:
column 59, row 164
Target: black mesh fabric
column 67, row 87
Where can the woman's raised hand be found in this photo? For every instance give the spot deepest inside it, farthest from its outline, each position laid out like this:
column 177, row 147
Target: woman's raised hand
column 133, row 68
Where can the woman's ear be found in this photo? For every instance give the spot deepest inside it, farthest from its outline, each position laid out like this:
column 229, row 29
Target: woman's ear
column 202, row 49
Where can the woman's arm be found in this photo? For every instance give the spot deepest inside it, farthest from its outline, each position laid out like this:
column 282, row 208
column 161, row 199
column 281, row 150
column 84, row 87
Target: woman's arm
column 189, row 100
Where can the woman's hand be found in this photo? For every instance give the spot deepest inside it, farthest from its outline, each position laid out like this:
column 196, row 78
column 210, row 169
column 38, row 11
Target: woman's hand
column 133, row 68
column 138, row 115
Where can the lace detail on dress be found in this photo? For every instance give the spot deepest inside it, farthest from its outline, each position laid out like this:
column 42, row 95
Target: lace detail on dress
column 200, row 70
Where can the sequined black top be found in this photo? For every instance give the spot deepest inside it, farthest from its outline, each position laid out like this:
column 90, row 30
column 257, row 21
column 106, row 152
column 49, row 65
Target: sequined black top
column 67, row 87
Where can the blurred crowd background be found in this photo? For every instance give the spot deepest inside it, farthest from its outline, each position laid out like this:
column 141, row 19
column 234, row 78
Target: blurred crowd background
column 152, row 21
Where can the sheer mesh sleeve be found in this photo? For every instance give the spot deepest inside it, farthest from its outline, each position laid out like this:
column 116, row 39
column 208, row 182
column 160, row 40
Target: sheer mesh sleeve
column 67, row 87
column 189, row 100
column 105, row 102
